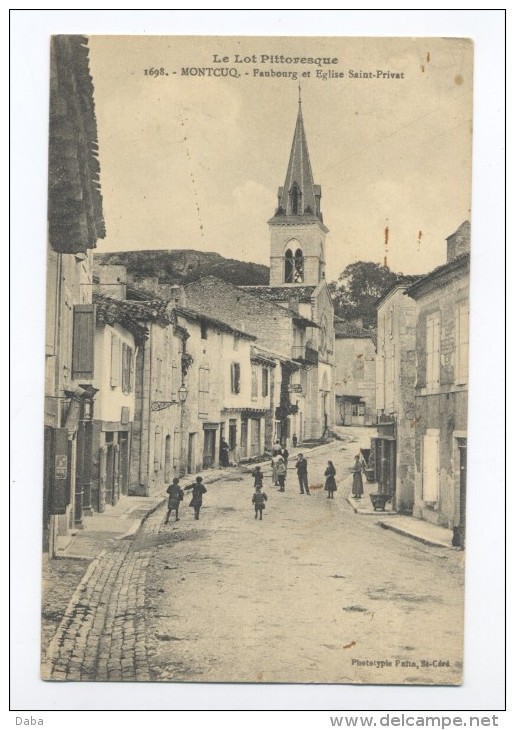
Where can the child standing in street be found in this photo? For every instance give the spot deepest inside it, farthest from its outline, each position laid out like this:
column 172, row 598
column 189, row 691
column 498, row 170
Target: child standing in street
column 258, row 500
column 258, row 477
column 175, row 497
column 196, row 499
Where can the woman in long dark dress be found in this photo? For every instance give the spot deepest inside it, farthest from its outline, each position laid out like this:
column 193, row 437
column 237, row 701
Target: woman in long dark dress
column 224, row 453
column 357, row 479
column 330, row 481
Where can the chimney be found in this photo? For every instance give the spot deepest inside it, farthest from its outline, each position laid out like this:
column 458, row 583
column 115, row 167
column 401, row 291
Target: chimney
column 112, row 280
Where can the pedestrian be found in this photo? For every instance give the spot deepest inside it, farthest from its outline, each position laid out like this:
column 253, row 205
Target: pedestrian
column 196, row 499
column 275, row 458
column 281, row 472
column 175, row 497
column 258, row 477
column 302, row 473
column 294, row 440
column 330, row 481
column 285, row 454
column 224, row 453
column 258, row 500
column 357, row 479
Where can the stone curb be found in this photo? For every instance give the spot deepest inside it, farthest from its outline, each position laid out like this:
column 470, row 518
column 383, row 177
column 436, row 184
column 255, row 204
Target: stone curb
column 406, row 533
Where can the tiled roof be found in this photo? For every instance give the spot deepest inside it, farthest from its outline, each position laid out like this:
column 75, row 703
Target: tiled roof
column 115, row 311
column 150, row 310
column 403, row 280
column 448, row 269
column 351, row 331
column 281, row 293
column 196, row 316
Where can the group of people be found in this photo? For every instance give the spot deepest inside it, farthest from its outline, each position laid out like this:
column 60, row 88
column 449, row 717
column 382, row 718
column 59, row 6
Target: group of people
column 259, row 498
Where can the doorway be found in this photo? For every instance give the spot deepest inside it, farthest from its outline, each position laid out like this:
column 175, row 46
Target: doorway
column 191, row 453
column 209, row 452
column 168, row 459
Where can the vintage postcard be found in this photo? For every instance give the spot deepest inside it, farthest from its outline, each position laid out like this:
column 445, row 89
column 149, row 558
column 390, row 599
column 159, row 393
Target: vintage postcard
column 257, row 359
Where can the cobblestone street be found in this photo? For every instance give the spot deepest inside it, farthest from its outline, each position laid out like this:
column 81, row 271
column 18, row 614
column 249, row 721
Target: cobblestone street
column 313, row 593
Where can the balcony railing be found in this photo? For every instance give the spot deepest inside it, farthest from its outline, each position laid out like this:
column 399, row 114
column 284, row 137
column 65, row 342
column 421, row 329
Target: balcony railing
column 304, row 354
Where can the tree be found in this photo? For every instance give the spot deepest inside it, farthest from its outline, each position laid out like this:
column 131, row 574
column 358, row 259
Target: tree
column 358, row 288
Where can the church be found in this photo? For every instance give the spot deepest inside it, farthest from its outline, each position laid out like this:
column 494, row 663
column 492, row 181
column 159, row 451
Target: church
column 292, row 317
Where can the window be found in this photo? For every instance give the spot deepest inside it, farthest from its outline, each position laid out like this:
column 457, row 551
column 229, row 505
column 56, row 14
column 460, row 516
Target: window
column 359, row 368
column 433, row 350
column 175, row 380
column 358, row 409
column 127, row 355
column 462, row 343
column 264, row 382
column 159, row 375
column 83, row 341
column 254, row 382
column 115, row 360
column 288, row 267
column 203, row 392
column 157, row 448
column 295, row 198
column 203, row 329
column 236, row 343
column 431, row 466
column 298, row 273
column 235, row 377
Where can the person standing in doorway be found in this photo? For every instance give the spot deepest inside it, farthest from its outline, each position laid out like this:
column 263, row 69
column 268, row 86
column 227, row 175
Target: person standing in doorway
column 196, row 498
column 281, row 472
column 294, row 440
column 224, row 453
column 357, row 479
column 330, row 481
column 175, row 497
column 302, row 473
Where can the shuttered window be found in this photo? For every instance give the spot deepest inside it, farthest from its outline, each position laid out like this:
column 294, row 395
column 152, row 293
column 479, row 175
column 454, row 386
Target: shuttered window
column 127, row 355
column 462, row 343
column 115, row 360
column 380, row 383
column 235, row 377
column 254, row 382
column 203, row 392
column 175, row 380
column 83, row 348
column 264, row 382
column 433, row 350
column 431, row 466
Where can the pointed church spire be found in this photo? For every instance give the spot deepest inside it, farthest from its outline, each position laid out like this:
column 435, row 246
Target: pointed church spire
column 299, row 196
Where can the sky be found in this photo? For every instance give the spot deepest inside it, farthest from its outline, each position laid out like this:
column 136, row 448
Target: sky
column 195, row 162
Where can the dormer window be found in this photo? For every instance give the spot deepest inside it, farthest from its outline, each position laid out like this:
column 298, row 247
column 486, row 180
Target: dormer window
column 295, row 200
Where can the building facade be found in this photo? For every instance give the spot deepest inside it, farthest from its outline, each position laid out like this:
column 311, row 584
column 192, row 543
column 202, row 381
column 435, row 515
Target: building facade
column 441, row 393
column 354, row 375
column 393, row 450
column 75, row 223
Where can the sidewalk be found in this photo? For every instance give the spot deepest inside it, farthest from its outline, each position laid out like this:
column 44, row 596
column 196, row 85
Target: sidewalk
column 419, row 530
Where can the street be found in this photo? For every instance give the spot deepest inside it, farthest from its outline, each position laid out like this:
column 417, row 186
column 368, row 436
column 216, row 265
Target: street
column 312, row 593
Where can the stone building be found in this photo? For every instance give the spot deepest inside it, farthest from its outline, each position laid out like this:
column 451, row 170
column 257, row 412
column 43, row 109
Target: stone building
column 394, row 449
column 75, row 223
column 354, row 374
column 118, row 337
column 442, row 343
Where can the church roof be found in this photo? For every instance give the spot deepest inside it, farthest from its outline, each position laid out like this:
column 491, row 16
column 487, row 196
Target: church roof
column 281, row 293
column 348, row 330
column 299, row 174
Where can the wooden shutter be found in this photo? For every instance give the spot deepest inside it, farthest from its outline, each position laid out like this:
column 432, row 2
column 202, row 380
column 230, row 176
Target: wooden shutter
column 236, row 377
column 433, row 350
column 115, row 360
column 254, row 381
column 462, row 343
column 431, row 466
column 83, row 352
column 264, row 382
column 380, row 383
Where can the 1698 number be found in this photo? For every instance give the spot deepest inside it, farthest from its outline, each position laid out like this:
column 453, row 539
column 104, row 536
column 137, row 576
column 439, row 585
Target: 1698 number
column 155, row 72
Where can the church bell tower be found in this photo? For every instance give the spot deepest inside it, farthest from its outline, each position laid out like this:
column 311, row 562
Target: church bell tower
column 297, row 230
